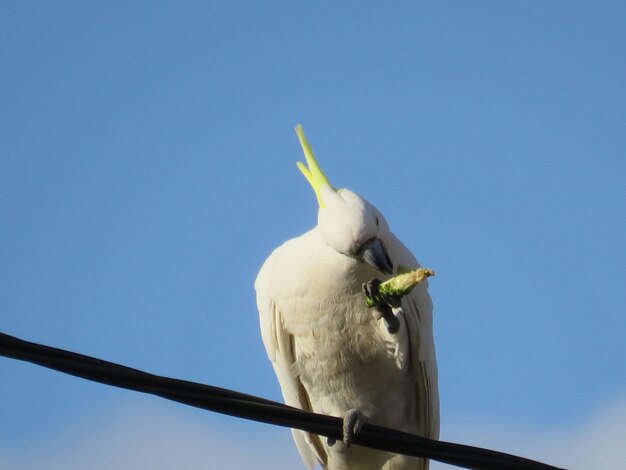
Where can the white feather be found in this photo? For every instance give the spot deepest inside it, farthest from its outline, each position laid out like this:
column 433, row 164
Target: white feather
column 330, row 354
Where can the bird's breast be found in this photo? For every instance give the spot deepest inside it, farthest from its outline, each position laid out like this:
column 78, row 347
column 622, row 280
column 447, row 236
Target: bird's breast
column 345, row 358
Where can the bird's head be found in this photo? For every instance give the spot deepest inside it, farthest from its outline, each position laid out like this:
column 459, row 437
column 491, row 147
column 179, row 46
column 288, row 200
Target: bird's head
column 348, row 223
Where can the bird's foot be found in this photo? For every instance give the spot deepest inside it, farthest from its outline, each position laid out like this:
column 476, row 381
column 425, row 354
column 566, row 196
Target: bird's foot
column 370, row 289
column 382, row 309
column 353, row 421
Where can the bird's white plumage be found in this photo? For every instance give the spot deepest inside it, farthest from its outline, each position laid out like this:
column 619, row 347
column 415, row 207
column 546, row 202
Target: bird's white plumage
column 331, row 354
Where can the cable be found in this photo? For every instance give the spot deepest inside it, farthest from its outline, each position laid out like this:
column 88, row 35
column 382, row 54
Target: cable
column 258, row 409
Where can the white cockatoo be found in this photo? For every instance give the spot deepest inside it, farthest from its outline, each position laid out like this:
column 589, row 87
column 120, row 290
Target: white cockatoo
column 333, row 355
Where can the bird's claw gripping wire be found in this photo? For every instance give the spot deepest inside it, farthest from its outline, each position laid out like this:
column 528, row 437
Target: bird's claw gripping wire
column 353, row 421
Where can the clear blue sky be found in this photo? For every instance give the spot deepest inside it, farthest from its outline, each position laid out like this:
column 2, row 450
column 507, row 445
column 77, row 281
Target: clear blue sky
column 147, row 168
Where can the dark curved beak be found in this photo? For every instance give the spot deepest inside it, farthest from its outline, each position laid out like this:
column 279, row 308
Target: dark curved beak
column 373, row 253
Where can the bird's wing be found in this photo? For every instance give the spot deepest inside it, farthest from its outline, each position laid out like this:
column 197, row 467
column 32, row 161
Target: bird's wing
column 417, row 309
column 418, row 313
column 279, row 345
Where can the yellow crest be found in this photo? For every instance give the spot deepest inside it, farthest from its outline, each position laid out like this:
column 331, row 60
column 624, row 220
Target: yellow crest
column 313, row 172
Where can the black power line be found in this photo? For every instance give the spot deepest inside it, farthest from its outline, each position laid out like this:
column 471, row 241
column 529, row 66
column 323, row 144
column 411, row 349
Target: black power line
column 258, row 409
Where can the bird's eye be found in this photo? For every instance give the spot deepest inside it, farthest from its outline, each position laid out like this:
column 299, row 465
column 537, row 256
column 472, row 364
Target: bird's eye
column 376, row 221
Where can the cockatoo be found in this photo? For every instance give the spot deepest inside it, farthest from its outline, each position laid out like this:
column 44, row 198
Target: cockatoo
column 333, row 355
